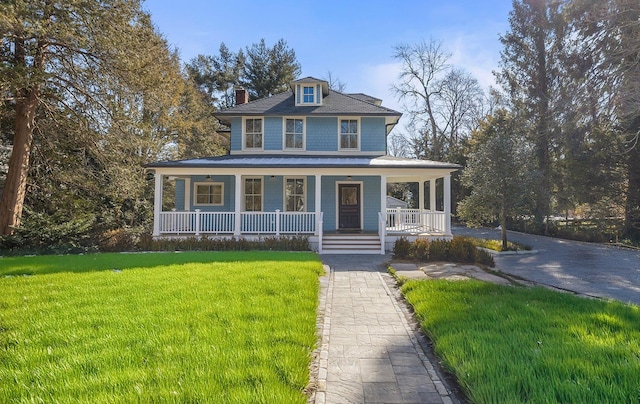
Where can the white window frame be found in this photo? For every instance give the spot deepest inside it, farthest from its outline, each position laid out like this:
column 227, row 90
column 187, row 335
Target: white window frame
column 358, row 133
column 313, row 94
column 244, row 193
column 209, row 183
column 304, row 133
column 244, row 132
column 304, row 193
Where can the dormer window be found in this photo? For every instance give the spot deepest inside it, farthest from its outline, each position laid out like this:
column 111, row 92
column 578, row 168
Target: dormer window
column 308, row 95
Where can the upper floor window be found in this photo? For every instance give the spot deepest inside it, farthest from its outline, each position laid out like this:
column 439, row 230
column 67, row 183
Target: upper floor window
column 294, row 133
column 209, row 193
column 253, row 133
column 349, row 134
column 308, row 94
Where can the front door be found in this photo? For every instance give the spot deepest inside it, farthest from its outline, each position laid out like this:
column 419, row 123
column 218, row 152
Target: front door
column 349, row 207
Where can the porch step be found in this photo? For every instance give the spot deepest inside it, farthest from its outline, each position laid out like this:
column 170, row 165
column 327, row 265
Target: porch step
column 350, row 244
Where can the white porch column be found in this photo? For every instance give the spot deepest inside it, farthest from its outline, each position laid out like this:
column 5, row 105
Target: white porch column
column 318, row 201
column 383, row 194
column 238, row 204
column 157, row 204
column 447, row 205
column 432, row 194
column 382, row 218
column 421, row 195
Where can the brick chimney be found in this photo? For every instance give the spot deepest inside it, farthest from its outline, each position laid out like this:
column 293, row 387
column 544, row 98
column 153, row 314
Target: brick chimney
column 242, row 96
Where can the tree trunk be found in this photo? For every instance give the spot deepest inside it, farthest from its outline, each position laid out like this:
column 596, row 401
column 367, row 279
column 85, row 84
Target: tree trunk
column 503, row 226
column 16, row 184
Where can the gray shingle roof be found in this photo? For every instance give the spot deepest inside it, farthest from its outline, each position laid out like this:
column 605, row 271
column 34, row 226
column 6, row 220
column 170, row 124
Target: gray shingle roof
column 335, row 103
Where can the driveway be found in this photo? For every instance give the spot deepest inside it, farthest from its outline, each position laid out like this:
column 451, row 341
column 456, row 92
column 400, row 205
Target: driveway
column 590, row 269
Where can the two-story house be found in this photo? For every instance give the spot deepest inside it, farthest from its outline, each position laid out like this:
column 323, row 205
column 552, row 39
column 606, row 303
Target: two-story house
column 309, row 161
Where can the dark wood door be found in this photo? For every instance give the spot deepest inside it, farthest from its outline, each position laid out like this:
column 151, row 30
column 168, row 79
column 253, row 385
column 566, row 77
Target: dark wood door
column 349, row 206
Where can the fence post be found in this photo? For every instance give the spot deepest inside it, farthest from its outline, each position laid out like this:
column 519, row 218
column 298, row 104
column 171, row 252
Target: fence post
column 277, row 222
column 320, row 232
column 197, row 222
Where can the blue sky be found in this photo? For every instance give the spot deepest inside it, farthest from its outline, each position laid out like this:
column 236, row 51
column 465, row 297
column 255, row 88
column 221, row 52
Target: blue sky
column 352, row 39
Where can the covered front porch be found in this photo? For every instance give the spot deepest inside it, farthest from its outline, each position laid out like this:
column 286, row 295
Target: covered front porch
column 324, row 203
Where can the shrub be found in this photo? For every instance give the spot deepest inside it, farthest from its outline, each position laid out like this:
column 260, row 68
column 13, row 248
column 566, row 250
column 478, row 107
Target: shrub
column 402, row 248
column 483, row 257
column 439, row 250
column 420, row 249
column 42, row 233
column 460, row 249
column 293, row 243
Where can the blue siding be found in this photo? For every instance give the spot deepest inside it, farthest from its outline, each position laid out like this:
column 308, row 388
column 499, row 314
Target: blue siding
column 229, row 193
column 236, row 134
column 311, row 193
column 373, row 133
column 328, row 202
column 371, row 202
column 272, row 133
column 272, row 189
column 322, row 134
column 179, row 195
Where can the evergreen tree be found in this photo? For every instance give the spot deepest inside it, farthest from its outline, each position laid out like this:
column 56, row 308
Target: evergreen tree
column 529, row 75
column 269, row 71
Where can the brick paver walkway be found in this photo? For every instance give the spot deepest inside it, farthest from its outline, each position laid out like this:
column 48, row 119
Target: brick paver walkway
column 370, row 353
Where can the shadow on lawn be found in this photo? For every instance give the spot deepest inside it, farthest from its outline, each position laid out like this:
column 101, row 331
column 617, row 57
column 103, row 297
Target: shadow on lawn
column 49, row 264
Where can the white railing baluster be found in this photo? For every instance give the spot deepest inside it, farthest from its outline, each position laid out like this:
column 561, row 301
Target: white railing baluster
column 414, row 221
column 199, row 222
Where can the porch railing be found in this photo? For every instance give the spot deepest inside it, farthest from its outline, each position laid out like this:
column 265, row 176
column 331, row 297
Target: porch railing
column 414, row 221
column 198, row 222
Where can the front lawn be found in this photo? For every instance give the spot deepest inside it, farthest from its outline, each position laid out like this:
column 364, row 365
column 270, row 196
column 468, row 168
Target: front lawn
column 167, row 327
column 513, row 345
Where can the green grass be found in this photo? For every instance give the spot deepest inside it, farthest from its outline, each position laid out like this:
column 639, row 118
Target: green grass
column 189, row 327
column 511, row 344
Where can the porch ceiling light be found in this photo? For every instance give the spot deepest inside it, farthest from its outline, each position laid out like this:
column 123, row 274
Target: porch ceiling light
column 208, row 178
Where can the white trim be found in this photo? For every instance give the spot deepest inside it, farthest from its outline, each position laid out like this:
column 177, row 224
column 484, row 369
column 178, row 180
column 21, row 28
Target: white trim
column 244, row 134
column 187, row 193
column 254, row 177
column 358, row 134
column 157, row 203
column 338, row 183
column 350, row 152
column 299, row 96
column 284, row 193
column 284, row 134
column 195, row 193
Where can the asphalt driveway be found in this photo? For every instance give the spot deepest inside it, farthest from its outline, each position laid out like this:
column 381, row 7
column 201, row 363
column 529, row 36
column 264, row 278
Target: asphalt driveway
column 590, row 269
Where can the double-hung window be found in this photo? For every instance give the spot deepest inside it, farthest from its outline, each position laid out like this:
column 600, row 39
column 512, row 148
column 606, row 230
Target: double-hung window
column 349, row 134
column 294, row 133
column 209, row 193
column 253, row 133
column 308, row 95
column 253, row 194
column 294, row 195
